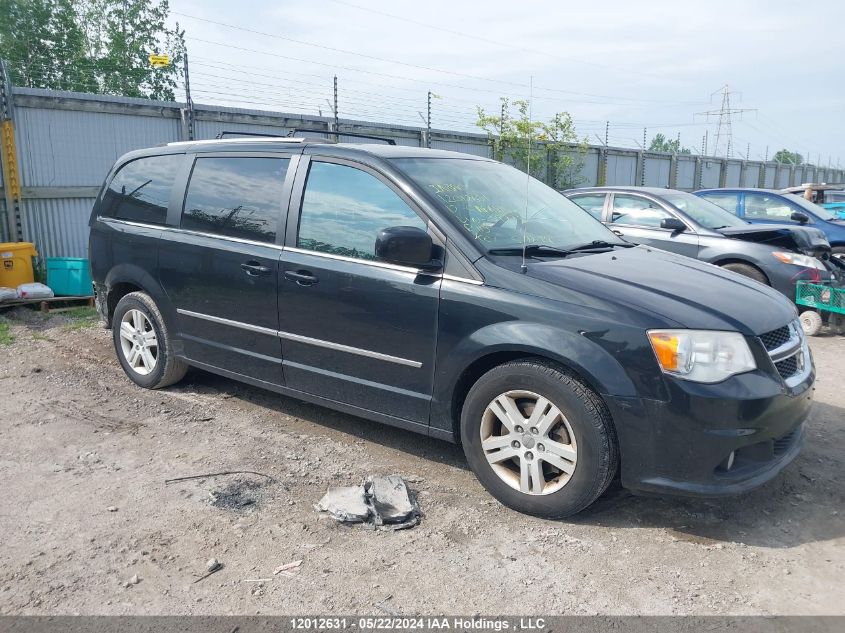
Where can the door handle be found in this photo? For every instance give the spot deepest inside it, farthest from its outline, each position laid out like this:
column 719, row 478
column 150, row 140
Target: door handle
column 301, row 277
column 255, row 269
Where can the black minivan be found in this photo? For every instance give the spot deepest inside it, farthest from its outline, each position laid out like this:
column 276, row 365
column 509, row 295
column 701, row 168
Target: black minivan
column 453, row 296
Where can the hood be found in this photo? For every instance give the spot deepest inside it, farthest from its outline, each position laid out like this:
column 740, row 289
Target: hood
column 802, row 239
column 685, row 291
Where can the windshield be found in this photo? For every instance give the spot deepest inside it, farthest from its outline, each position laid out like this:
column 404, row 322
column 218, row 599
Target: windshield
column 489, row 200
column 816, row 210
column 705, row 213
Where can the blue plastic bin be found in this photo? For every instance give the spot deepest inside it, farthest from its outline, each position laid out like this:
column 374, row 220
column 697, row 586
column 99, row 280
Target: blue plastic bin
column 69, row 276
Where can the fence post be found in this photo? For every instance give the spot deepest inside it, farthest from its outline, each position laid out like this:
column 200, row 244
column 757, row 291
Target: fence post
column 699, row 172
column 188, row 112
column 641, row 168
column 723, row 172
column 761, row 175
column 9, row 157
column 673, row 171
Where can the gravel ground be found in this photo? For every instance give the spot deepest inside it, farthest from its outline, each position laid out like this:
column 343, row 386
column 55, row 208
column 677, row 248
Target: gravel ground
column 89, row 526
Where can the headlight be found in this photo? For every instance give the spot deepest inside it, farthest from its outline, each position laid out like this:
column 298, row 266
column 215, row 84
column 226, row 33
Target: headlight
column 701, row 355
column 799, row 260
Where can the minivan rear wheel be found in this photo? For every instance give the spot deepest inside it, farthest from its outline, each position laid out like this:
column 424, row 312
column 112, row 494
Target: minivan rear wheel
column 143, row 344
column 538, row 438
column 747, row 270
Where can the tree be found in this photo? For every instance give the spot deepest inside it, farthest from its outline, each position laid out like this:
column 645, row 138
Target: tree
column 44, row 44
column 785, row 156
column 99, row 46
column 556, row 154
column 661, row 144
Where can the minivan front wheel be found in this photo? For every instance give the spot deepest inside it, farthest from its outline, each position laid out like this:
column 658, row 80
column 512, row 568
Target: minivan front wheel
column 142, row 342
column 538, row 438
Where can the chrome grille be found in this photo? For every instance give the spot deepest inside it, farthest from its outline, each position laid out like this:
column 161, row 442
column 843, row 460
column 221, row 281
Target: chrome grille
column 788, row 351
column 776, row 338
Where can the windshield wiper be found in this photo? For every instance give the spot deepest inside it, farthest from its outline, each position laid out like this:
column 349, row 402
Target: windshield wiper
column 530, row 249
column 597, row 245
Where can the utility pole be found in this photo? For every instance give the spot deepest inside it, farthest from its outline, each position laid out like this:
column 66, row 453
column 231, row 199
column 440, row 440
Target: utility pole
column 189, row 103
column 428, row 123
column 724, row 130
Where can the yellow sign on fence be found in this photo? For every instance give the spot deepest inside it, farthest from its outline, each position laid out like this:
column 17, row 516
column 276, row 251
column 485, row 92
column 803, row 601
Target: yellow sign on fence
column 11, row 175
column 159, row 61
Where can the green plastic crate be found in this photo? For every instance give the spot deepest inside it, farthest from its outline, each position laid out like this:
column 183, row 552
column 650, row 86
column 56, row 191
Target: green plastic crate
column 820, row 296
column 69, row 276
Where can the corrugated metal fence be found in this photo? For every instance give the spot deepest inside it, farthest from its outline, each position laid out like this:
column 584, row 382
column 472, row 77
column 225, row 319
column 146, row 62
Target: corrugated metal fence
column 66, row 143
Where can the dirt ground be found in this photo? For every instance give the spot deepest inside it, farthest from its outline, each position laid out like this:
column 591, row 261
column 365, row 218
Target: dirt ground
column 89, row 527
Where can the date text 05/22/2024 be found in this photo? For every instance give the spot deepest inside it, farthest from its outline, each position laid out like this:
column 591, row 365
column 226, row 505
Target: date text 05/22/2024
column 418, row 623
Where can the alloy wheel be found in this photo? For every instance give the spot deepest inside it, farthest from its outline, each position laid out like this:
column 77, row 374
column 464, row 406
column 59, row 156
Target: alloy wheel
column 528, row 442
column 138, row 342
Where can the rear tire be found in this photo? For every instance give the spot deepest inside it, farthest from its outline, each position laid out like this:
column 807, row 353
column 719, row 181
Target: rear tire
column 522, row 460
column 143, row 344
column 811, row 322
column 747, row 270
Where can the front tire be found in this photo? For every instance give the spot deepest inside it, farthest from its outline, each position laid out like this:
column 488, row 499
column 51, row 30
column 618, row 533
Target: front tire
column 143, row 344
column 538, row 438
column 747, row 270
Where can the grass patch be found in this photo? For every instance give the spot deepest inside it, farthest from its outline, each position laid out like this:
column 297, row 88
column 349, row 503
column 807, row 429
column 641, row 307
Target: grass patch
column 6, row 337
column 80, row 318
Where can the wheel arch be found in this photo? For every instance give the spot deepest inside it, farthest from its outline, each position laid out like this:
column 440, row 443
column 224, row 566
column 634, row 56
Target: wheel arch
column 126, row 278
column 734, row 259
column 576, row 354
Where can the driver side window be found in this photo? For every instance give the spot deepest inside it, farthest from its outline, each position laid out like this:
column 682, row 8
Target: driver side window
column 759, row 206
column 344, row 208
column 636, row 211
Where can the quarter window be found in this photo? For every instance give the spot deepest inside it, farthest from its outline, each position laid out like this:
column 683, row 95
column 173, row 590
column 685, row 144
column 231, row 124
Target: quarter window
column 237, row 197
column 344, row 208
column 140, row 191
column 636, row 211
column 593, row 204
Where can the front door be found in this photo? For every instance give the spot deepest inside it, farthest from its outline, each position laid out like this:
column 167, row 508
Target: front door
column 220, row 267
column 637, row 219
column 354, row 329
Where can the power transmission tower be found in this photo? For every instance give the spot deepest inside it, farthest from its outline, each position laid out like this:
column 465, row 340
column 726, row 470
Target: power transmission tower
column 724, row 131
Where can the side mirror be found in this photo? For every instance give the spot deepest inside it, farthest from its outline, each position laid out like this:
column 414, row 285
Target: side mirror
column 673, row 224
column 801, row 218
column 406, row 246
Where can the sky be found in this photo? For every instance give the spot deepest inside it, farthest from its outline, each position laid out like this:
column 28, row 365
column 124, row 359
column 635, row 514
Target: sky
column 652, row 64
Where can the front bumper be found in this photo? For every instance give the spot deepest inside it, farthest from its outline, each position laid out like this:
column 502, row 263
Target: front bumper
column 684, row 445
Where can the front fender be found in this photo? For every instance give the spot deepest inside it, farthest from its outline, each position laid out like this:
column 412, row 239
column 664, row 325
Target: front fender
column 595, row 354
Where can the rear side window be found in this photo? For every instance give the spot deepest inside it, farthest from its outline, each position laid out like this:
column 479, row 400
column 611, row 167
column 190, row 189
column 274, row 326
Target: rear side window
column 344, row 208
column 238, row 197
column 140, row 190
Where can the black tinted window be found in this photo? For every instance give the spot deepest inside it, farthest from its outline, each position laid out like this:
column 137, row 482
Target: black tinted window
column 238, row 197
column 344, row 209
column 140, row 190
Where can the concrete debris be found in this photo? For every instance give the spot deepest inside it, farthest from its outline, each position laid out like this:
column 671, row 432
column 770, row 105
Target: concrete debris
column 212, row 565
column 132, row 581
column 382, row 502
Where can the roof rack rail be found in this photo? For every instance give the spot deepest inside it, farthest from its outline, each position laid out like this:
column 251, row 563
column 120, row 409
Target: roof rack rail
column 295, row 130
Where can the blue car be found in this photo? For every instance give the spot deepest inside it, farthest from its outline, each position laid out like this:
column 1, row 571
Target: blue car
column 774, row 207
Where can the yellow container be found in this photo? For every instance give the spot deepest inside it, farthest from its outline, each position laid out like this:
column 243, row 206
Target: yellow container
column 16, row 263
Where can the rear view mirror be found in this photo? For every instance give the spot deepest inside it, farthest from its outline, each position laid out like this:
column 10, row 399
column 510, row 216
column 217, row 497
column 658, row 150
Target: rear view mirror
column 801, row 218
column 406, row 246
column 673, row 224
